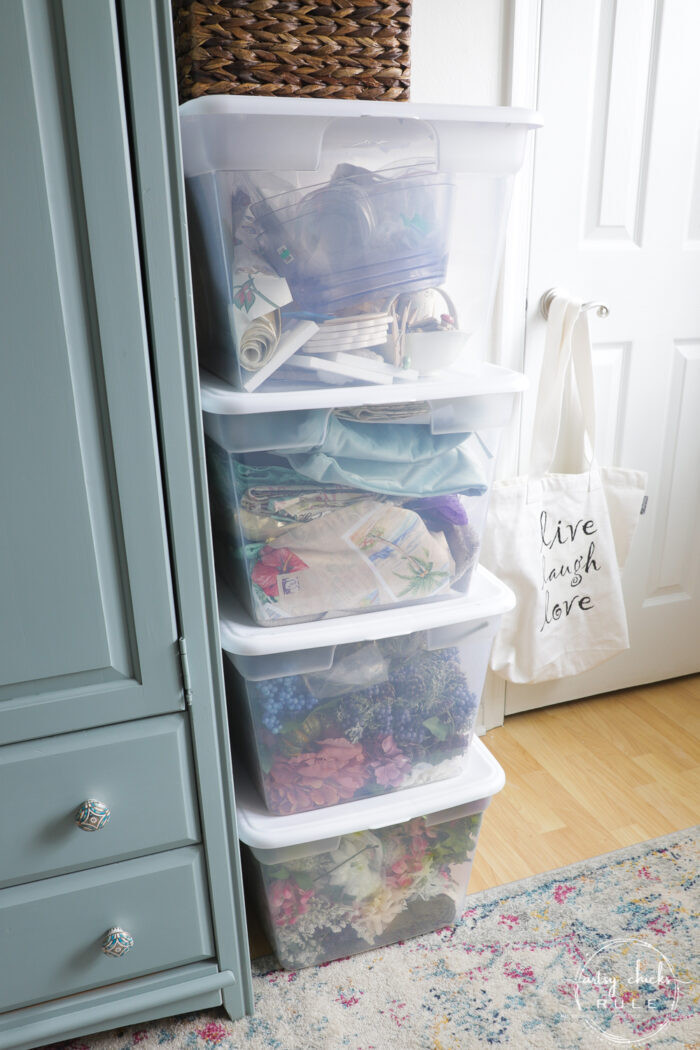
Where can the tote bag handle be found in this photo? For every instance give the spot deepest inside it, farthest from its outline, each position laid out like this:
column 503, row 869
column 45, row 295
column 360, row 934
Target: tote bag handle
column 565, row 410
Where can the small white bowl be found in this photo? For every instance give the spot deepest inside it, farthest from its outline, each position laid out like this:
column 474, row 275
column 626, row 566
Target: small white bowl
column 437, row 351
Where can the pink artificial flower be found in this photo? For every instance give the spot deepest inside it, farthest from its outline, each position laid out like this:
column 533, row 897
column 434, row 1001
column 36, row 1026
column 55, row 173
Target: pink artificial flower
column 287, row 901
column 400, row 874
column 393, row 767
column 330, row 774
column 419, row 835
column 273, row 562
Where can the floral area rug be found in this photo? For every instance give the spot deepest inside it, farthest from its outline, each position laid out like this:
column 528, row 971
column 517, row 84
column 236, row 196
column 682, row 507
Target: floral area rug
column 599, row 954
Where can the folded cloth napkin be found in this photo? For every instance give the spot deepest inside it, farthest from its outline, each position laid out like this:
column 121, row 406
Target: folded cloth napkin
column 406, row 460
column 407, row 443
column 383, row 413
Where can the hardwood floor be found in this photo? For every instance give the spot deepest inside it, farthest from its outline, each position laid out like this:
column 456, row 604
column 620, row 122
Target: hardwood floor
column 591, row 776
column 584, row 778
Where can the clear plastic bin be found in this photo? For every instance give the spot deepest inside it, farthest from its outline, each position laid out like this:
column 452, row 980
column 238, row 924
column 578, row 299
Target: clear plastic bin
column 341, row 881
column 325, row 511
column 359, row 707
column 305, row 215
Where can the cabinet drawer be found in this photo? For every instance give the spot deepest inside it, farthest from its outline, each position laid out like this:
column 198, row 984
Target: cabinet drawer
column 140, row 770
column 51, row 931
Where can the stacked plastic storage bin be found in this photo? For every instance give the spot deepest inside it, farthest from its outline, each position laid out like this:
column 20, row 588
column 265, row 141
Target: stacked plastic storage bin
column 344, row 259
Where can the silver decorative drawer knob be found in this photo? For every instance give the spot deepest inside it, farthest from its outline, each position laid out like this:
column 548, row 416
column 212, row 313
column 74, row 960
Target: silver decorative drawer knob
column 92, row 815
column 117, row 942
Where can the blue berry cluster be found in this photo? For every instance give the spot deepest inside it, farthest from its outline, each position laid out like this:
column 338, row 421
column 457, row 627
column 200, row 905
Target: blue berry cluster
column 425, row 705
column 459, row 701
column 369, row 708
column 408, row 728
column 282, row 700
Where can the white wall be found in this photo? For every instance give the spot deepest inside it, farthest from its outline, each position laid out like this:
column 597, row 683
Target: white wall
column 457, row 51
column 460, row 55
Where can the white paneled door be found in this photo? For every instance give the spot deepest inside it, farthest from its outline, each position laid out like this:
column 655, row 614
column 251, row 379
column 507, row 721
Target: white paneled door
column 616, row 218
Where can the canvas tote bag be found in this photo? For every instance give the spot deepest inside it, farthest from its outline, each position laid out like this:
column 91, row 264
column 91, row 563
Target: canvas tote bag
column 559, row 535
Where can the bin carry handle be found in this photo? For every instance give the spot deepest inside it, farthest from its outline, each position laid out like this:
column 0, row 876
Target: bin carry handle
column 443, row 637
column 453, row 813
column 282, row 665
column 287, row 854
column 325, row 874
column 467, row 810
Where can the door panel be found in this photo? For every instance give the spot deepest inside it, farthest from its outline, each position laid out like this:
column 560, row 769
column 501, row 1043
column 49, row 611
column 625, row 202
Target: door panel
column 88, row 626
column 616, row 219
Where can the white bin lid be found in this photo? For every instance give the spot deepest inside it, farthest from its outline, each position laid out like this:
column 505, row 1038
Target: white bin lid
column 481, row 778
column 240, row 635
column 219, row 398
column 256, row 105
column 252, row 133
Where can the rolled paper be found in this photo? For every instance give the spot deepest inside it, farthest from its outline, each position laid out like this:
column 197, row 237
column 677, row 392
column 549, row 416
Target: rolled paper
column 259, row 341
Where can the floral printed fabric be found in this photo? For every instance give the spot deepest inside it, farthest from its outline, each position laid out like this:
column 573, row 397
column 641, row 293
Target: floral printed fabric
column 501, row 977
column 367, row 555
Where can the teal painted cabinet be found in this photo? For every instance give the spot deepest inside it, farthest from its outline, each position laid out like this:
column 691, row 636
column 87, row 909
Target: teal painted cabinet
column 105, row 564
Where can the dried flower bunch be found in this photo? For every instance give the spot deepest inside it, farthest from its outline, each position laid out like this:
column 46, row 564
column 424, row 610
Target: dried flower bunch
column 375, row 887
column 386, row 716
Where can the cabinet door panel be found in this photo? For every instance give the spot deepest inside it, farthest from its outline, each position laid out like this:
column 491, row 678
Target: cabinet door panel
column 88, row 624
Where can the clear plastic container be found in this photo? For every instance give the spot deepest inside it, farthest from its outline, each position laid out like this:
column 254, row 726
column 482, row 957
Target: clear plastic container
column 366, row 874
column 362, row 706
column 338, row 508
column 303, row 214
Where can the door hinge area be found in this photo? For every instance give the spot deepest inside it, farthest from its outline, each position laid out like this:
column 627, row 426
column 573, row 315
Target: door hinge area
column 185, row 671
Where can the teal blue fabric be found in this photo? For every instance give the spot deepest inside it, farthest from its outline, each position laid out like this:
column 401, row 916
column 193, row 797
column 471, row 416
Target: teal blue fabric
column 399, row 460
column 395, row 442
column 259, row 475
column 405, row 460
column 454, row 471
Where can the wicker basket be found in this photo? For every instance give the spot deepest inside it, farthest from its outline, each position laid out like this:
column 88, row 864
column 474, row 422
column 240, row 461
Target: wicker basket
column 337, row 49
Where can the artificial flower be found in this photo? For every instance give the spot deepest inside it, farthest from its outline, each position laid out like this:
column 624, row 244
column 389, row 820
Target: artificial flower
column 392, row 768
column 356, row 865
column 426, row 772
column 377, row 912
column 273, row 562
column 288, row 901
column 330, row 774
column 316, row 936
column 400, row 874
